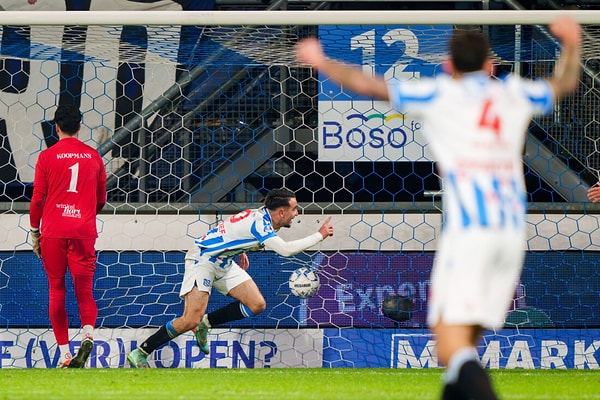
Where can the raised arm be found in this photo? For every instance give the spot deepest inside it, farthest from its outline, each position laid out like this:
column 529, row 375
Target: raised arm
column 309, row 51
column 568, row 68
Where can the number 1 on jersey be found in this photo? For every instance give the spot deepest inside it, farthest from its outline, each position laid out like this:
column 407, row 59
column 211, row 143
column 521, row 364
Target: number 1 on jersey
column 74, row 175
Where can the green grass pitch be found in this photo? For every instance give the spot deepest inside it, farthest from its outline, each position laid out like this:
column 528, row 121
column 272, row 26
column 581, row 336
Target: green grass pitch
column 283, row 384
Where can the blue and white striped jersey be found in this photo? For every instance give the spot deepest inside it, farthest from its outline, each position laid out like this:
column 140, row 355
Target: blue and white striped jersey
column 242, row 232
column 477, row 127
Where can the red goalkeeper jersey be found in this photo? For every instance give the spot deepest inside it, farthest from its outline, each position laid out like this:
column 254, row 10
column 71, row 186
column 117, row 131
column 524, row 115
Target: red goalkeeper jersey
column 69, row 189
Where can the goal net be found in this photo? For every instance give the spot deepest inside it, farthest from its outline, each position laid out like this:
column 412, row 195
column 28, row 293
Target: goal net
column 196, row 123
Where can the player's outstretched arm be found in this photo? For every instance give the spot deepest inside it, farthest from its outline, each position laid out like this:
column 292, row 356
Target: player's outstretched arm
column 568, row 68
column 290, row 248
column 309, row 51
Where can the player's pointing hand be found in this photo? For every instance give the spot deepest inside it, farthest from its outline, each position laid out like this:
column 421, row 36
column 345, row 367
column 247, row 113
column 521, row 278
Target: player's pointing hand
column 326, row 230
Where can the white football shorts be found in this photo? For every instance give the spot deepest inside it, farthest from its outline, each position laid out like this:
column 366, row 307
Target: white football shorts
column 474, row 277
column 205, row 275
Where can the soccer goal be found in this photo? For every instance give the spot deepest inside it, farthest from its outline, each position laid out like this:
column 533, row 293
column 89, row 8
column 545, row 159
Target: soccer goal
column 198, row 114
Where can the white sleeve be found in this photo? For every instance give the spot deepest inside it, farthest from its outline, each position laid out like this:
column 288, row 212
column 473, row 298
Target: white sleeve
column 286, row 249
column 412, row 96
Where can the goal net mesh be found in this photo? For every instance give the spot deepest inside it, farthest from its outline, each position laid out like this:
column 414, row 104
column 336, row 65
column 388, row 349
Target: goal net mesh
column 197, row 123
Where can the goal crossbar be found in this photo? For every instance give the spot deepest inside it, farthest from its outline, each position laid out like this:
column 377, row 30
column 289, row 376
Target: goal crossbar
column 325, row 17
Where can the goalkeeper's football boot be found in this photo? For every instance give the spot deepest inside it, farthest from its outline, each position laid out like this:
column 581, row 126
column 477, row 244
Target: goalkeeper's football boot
column 84, row 352
column 138, row 359
column 65, row 361
column 201, row 333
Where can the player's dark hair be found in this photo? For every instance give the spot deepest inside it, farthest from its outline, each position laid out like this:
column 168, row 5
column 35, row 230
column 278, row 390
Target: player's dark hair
column 68, row 118
column 469, row 49
column 278, row 198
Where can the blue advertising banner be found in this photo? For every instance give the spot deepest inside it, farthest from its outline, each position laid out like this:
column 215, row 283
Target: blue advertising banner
column 505, row 349
column 139, row 289
column 313, row 348
column 356, row 128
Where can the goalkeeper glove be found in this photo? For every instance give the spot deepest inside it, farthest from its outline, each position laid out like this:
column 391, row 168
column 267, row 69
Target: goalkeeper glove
column 35, row 242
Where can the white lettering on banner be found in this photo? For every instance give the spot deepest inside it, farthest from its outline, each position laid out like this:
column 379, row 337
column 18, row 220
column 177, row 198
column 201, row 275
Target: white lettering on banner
column 553, row 354
column 418, row 351
column 365, row 130
column 584, row 356
column 404, row 356
column 352, row 299
column 520, row 356
column 491, row 355
column 236, row 348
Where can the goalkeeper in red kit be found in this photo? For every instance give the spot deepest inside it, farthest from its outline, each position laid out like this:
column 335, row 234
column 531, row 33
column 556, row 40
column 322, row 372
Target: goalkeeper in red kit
column 69, row 189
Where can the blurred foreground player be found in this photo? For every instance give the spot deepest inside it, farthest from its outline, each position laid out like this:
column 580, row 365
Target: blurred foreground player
column 476, row 127
column 69, row 189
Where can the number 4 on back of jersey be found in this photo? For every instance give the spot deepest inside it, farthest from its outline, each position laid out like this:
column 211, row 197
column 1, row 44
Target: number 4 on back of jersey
column 489, row 119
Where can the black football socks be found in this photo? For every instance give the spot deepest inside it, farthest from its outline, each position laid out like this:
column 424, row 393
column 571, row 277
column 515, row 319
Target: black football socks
column 160, row 337
column 231, row 312
column 474, row 383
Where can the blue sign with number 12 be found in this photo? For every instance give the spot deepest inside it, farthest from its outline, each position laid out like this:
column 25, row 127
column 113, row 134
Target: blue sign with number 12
column 401, row 52
column 357, row 128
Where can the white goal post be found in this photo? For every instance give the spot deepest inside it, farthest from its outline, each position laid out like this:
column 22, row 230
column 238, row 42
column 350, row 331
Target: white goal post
column 325, row 17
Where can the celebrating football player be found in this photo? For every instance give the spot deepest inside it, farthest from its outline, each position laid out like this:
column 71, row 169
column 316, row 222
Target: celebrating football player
column 211, row 263
column 476, row 127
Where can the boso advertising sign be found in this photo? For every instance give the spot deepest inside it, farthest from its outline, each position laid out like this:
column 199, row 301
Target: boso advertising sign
column 354, row 128
column 363, row 134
